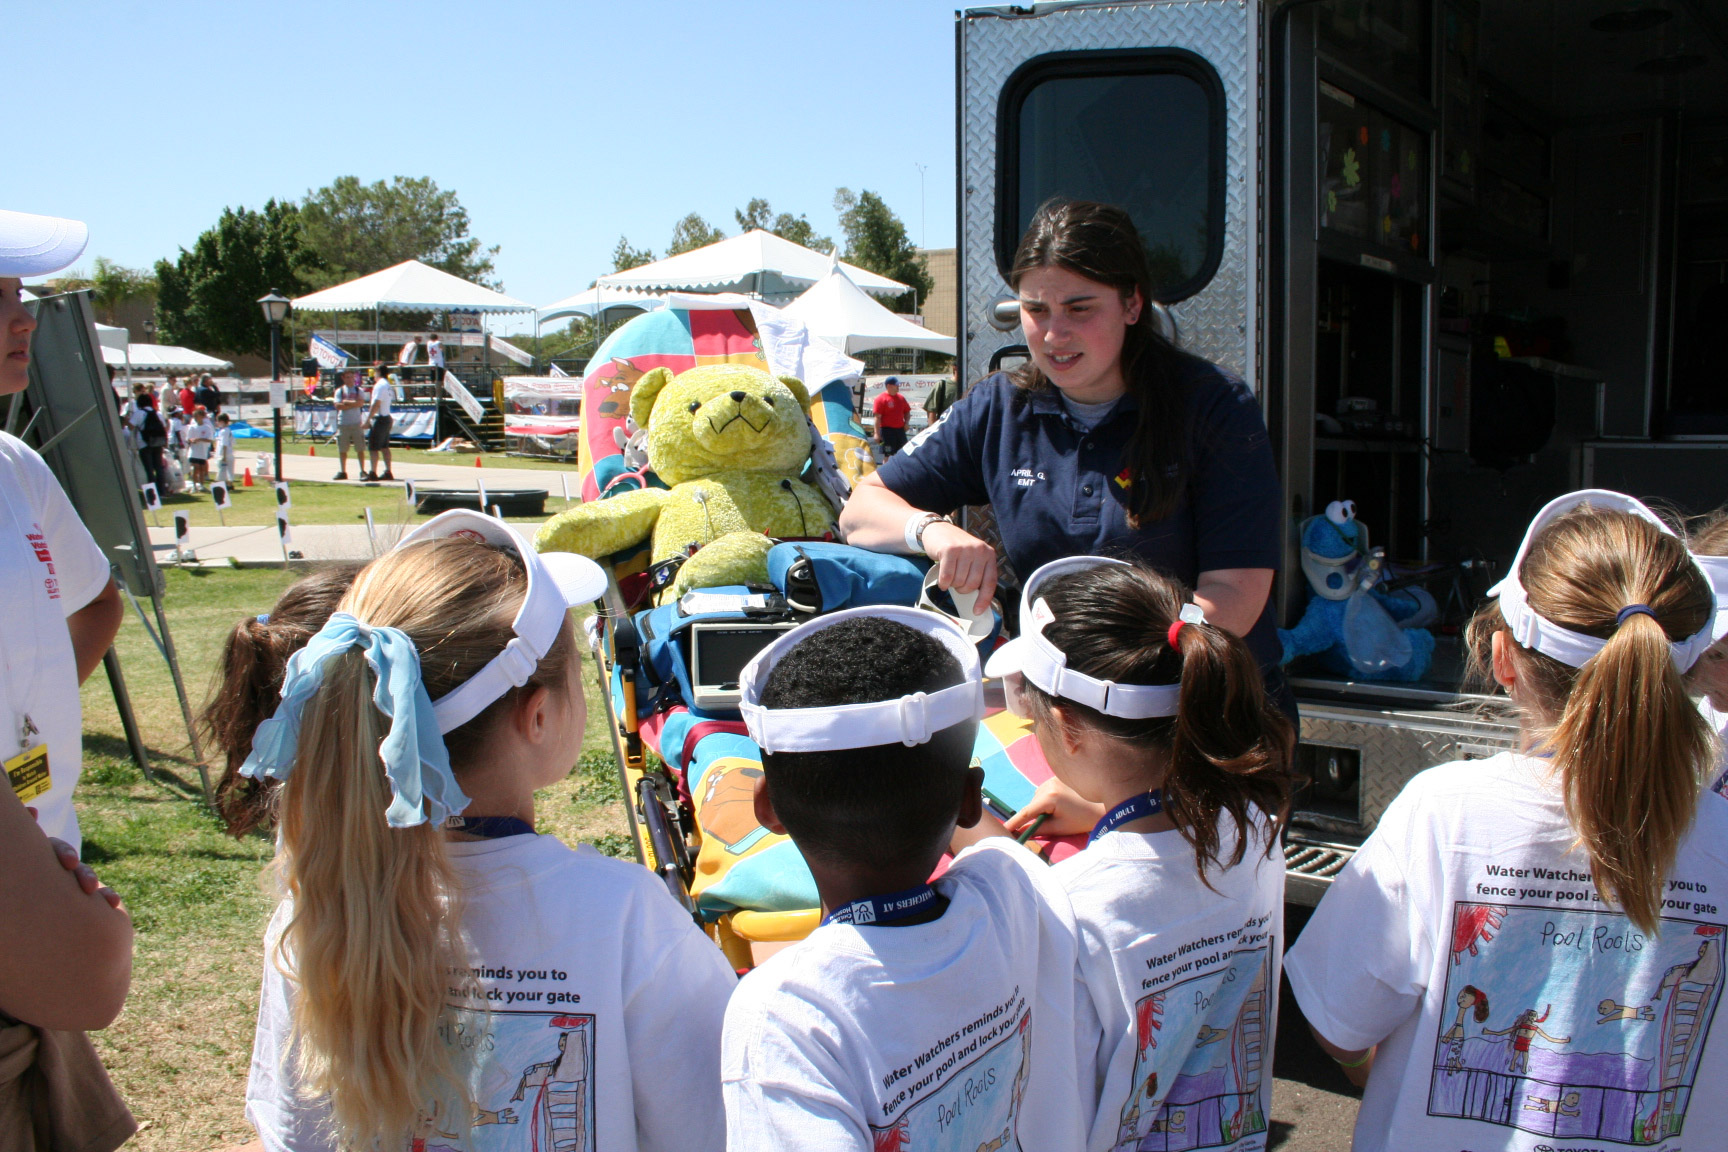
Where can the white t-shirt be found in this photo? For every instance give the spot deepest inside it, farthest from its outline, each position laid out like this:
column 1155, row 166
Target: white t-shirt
column 961, row 1033
column 1185, row 982
column 225, row 445
column 50, row 567
column 594, row 998
column 382, row 395
column 1513, row 1009
column 176, row 431
column 200, row 438
column 435, row 353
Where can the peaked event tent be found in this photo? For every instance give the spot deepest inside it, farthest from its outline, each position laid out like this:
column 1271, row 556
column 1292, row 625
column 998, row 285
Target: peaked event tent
column 757, row 262
column 157, row 358
column 410, row 287
column 599, row 299
column 839, row 312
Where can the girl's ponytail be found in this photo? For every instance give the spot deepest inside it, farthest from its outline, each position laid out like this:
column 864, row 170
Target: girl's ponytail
column 1629, row 747
column 1231, row 747
column 1228, row 748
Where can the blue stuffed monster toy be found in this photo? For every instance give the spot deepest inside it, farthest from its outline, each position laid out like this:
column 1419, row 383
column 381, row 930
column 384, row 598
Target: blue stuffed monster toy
column 1338, row 563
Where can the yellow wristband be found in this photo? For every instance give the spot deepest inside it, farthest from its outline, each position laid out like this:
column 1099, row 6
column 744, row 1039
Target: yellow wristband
column 1356, row 1063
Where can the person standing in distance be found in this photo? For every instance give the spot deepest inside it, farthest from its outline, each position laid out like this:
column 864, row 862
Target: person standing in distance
column 59, row 609
column 350, row 425
column 1111, row 442
column 435, row 354
column 378, row 426
column 892, row 412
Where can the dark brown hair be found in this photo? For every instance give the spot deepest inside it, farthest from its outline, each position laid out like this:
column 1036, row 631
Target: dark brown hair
column 1228, row 747
column 1101, row 243
column 1628, row 745
column 248, row 686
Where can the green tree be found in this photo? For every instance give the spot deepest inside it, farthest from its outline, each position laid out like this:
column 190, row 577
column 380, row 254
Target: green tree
column 625, row 257
column 356, row 229
column 798, row 229
column 692, row 233
column 876, row 240
column 114, row 285
column 208, row 297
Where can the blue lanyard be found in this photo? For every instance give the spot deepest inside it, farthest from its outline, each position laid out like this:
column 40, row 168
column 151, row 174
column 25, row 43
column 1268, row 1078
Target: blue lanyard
column 1134, row 808
column 489, row 827
column 884, row 909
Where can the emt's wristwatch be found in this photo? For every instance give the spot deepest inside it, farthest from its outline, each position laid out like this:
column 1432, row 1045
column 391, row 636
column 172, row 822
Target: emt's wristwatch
column 915, row 526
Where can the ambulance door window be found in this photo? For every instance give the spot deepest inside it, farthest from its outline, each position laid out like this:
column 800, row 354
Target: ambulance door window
column 1143, row 130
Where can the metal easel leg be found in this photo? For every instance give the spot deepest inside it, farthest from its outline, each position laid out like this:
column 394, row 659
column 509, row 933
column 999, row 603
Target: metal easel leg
column 123, row 703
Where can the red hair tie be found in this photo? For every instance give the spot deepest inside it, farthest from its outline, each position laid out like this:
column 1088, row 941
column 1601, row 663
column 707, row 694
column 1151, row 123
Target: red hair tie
column 1190, row 614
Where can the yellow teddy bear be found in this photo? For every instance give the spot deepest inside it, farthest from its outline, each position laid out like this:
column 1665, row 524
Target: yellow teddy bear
column 731, row 442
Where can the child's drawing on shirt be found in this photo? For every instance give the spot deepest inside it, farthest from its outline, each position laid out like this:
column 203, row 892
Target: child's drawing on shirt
column 1573, row 1023
column 534, row 1081
column 1213, row 1093
column 973, row 1108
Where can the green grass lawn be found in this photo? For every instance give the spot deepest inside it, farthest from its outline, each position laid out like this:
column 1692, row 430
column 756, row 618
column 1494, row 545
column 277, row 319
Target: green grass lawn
column 315, row 502
column 199, row 899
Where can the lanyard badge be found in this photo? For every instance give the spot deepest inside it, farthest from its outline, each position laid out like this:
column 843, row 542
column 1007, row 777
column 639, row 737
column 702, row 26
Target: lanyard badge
column 888, row 909
column 1134, row 808
column 28, row 771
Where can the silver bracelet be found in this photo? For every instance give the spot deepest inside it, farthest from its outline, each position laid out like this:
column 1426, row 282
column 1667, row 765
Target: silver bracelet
column 915, row 526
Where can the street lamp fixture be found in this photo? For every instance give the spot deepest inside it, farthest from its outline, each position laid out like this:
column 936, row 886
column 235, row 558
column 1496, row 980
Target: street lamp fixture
column 275, row 307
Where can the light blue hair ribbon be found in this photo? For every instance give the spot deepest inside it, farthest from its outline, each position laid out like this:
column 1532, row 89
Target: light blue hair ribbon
column 415, row 759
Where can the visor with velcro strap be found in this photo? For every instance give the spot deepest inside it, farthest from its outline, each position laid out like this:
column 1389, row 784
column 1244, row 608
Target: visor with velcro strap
column 1575, row 649
column 909, row 720
column 557, row 582
column 1044, row 664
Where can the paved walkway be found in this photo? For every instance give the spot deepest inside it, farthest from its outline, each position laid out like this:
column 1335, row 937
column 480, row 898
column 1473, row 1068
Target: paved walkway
column 253, row 546
column 463, row 475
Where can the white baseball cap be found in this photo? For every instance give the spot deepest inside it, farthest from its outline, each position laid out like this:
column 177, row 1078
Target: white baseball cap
column 910, row 720
column 557, row 582
column 36, row 245
column 1038, row 660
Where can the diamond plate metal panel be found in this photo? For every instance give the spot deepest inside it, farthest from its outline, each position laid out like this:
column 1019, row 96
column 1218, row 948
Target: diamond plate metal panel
column 1395, row 745
column 1221, row 321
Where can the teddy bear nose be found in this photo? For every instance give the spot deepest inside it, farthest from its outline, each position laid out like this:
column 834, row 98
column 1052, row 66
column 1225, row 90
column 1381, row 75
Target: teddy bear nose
column 738, row 397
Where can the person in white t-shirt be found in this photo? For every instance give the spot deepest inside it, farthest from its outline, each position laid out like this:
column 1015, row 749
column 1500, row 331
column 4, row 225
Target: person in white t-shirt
column 1528, row 951
column 940, row 1015
column 67, row 958
column 573, row 1004
column 1708, row 679
column 200, row 443
column 435, row 351
column 1164, row 748
column 378, row 422
column 224, row 450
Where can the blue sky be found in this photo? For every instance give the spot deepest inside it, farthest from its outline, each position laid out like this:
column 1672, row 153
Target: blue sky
column 560, row 126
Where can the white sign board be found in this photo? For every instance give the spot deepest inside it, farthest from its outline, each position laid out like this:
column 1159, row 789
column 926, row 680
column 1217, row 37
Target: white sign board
column 278, row 393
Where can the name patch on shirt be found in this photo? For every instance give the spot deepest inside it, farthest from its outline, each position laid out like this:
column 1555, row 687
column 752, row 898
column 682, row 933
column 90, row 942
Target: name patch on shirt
column 1026, row 477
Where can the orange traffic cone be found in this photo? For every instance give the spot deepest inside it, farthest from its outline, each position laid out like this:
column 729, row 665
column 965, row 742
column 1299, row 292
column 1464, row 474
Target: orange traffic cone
column 311, row 451
column 248, row 482
column 476, row 461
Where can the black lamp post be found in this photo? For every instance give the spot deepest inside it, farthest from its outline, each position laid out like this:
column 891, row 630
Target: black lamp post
column 275, row 308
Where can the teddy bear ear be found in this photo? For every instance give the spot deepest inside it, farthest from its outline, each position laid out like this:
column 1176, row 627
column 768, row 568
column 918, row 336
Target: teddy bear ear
column 647, row 390
column 798, row 391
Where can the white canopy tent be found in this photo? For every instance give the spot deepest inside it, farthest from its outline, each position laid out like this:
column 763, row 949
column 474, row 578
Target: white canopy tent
column 410, row 287
column 597, row 300
column 155, row 359
column 757, row 263
column 838, row 311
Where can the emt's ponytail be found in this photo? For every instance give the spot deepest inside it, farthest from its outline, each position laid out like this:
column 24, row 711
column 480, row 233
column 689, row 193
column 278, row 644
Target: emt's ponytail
column 1629, row 746
column 376, row 927
column 1228, row 748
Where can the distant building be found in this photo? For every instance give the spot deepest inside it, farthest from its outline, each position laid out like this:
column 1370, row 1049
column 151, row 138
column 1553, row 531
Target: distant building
column 942, row 310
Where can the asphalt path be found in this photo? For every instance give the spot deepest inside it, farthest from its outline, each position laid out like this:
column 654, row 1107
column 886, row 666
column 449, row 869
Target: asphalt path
column 1313, row 1105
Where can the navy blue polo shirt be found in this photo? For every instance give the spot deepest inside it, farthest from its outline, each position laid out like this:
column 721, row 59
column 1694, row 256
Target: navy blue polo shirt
column 1055, row 490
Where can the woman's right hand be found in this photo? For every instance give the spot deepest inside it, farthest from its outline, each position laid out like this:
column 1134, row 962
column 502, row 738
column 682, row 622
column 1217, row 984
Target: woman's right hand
column 1067, row 812
column 964, row 563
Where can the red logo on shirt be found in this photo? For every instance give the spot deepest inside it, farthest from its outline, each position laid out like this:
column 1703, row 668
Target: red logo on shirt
column 1125, row 479
column 39, row 545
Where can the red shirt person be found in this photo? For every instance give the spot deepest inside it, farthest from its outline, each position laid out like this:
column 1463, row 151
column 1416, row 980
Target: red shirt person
column 891, row 410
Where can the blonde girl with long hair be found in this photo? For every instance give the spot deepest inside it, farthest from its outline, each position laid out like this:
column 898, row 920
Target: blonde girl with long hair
column 1573, row 888
column 1167, row 751
column 1708, row 679
column 436, row 973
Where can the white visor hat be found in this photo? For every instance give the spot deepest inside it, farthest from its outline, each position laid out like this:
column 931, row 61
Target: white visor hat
column 1575, row 649
column 1046, row 665
column 36, row 245
column 909, row 720
column 557, row 582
